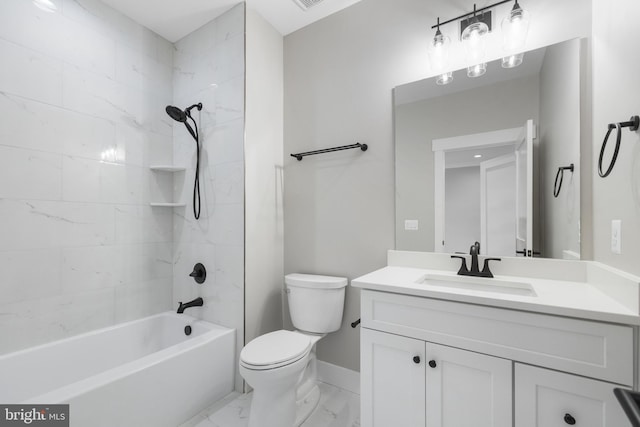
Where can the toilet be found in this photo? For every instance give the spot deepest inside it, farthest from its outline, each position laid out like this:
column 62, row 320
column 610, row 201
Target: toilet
column 281, row 365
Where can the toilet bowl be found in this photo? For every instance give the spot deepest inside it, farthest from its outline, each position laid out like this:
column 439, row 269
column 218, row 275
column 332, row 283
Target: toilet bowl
column 281, row 365
column 274, row 364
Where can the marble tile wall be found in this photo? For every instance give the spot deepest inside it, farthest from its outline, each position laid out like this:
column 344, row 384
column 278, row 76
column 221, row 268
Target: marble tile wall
column 209, row 68
column 82, row 96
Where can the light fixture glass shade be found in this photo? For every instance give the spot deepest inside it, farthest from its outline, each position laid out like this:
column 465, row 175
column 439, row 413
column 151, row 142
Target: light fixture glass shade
column 476, row 70
column 473, row 40
column 512, row 61
column 438, row 52
column 445, row 78
column 515, row 28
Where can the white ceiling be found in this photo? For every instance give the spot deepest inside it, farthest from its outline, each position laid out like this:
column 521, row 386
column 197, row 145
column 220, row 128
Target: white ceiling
column 466, row 157
column 174, row 19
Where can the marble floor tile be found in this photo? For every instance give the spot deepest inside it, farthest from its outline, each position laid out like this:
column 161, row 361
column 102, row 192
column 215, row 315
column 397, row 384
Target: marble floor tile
column 337, row 408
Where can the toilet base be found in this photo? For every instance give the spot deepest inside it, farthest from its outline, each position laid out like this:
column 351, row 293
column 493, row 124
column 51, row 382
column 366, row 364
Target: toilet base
column 284, row 399
column 306, row 405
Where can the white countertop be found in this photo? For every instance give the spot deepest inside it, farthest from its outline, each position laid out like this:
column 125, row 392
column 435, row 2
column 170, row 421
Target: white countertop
column 571, row 298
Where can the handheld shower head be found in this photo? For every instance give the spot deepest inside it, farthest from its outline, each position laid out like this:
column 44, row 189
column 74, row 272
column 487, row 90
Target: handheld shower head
column 181, row 116
column 176, row 114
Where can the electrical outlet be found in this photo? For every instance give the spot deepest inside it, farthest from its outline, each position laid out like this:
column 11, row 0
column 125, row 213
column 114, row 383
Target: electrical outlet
column 411, row 224
column 616, row 236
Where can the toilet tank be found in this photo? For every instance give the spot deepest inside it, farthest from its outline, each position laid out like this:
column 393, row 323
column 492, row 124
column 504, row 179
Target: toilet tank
column 316, row 302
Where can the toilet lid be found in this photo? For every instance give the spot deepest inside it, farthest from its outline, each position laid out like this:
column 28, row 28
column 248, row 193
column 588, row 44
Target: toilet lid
column 275, row 347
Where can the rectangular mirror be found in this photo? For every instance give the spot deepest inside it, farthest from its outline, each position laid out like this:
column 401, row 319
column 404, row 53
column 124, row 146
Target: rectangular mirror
column 493, row 159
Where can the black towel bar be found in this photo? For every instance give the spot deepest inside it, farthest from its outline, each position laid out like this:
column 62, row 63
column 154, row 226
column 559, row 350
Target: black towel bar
column 299, row 156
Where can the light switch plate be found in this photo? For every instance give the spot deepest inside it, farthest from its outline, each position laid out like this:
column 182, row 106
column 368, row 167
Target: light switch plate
column 616, row 236
column 411, row 224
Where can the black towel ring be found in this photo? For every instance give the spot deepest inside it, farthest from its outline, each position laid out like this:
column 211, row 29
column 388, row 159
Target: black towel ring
column 633, row 125
column 557, row 186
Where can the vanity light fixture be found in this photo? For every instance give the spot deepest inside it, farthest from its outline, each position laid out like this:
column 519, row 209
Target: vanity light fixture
column 438, row 52
column 514, row 32
column 474, row 27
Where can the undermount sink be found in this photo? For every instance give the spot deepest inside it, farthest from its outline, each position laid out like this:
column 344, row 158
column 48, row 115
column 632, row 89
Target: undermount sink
column 478, row 284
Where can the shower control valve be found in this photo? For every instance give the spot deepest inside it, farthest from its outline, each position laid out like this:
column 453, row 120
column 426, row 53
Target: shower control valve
column 199, row 273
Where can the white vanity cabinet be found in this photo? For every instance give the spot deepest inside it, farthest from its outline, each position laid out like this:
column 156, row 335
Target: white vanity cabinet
column 409, row 382
column 437, row 363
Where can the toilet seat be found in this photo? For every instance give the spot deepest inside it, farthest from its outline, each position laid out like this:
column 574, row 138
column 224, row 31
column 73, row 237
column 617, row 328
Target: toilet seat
column 275, row 349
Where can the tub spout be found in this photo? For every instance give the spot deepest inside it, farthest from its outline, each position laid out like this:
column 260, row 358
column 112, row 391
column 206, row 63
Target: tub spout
column 198, row 302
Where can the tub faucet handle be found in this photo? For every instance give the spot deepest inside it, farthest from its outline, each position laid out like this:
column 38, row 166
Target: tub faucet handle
column 199, row 273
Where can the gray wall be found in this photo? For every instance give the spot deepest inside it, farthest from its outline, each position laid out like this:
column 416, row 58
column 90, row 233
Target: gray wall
column 559, row 145
column 339, row 72
column 462, row 204
column 263, row 178
column 615, row 98
column 484, row 109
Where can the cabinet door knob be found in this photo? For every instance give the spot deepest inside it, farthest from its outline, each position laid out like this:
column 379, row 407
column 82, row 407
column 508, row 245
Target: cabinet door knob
column 432, row 363
column 416, row 359
column 569, row 419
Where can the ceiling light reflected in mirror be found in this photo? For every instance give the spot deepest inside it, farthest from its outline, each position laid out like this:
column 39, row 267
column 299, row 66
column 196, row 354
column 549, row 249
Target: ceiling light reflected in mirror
column 46, row 5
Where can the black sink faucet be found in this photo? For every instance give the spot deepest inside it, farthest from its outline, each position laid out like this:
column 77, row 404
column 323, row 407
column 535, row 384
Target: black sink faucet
column 474, row 251
column 198, row 302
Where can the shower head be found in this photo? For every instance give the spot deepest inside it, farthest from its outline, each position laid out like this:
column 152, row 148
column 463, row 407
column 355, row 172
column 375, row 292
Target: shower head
column 181, row 116
column 176, row 114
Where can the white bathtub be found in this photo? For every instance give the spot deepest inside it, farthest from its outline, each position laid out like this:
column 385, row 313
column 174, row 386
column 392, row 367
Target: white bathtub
column 136, row 374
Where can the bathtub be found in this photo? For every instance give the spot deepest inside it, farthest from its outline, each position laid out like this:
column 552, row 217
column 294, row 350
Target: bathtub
column 147, row 372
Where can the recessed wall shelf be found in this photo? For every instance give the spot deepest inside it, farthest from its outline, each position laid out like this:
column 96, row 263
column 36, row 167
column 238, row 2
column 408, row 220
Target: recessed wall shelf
column 167, row 168
column 167, row 205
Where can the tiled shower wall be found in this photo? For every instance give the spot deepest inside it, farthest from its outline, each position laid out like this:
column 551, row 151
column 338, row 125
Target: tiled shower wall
column 209, row 68
column 82, row 96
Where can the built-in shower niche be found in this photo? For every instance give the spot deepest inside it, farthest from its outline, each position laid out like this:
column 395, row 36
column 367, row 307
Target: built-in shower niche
column 163, row 181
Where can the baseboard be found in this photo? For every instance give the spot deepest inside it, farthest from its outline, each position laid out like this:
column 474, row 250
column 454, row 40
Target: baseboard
column 338, row 376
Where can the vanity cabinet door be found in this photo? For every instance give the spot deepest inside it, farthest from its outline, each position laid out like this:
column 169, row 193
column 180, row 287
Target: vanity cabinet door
column 393, row 380
column 545, row 398
column 467, row 389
